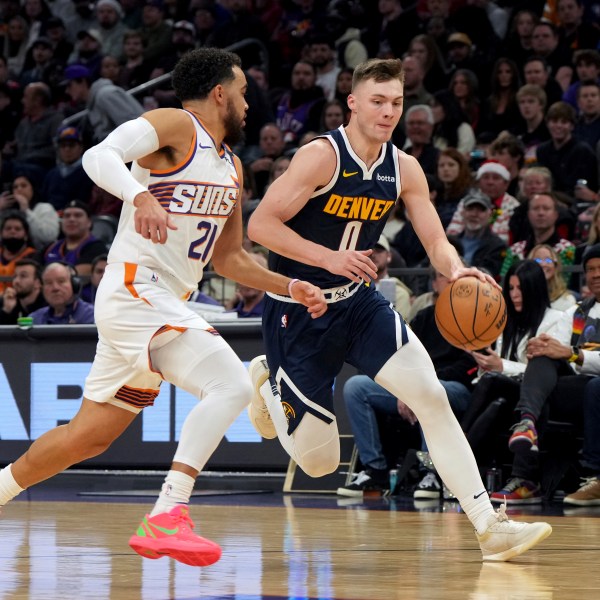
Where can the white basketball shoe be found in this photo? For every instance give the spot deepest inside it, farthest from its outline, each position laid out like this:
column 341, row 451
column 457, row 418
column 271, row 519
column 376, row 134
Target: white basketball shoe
column 257, row 409
column 504, row 539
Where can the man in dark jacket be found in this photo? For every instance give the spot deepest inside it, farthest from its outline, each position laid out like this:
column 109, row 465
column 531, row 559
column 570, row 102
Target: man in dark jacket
column 481, row 247
column 67, row 181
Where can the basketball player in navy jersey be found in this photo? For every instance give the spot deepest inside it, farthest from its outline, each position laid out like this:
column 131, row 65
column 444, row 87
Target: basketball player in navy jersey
column 181, row 207
column 321, row 219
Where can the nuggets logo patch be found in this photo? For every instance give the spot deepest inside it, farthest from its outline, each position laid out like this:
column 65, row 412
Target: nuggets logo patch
column 284, row 321
column 288, row 411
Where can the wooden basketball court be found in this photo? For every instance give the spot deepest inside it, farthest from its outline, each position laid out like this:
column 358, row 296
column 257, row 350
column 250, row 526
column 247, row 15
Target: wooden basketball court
column 291, row 546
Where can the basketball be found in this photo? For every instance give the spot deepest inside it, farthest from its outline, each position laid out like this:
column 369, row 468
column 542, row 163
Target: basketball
column 470, row 313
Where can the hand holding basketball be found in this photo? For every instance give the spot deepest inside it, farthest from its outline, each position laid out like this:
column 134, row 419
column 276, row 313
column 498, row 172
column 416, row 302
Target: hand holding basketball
column 470, row 313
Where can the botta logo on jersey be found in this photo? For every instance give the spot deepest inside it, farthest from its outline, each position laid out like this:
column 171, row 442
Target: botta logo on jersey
column 388, row 178
column 197, row 199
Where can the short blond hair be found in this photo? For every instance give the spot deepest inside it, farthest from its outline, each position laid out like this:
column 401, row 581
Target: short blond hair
column 378, row 69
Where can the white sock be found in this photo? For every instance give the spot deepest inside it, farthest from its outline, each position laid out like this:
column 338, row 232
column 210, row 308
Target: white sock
column 479, row 510
column 176, row 489
column 9, row 488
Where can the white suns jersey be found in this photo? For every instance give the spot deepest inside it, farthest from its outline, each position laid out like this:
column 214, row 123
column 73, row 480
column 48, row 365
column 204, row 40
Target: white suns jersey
column 200, row 194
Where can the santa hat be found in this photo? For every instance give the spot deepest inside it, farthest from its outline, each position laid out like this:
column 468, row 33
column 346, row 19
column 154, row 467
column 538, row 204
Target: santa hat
column 493, row 166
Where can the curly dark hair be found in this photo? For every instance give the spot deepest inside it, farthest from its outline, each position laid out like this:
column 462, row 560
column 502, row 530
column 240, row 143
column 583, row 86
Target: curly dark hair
column 200, row 70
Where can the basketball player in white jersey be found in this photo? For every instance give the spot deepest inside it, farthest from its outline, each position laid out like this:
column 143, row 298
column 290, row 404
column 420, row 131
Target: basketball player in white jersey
column 181, row 208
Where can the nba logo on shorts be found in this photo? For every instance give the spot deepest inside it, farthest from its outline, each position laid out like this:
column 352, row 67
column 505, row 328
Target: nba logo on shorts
column 284, row 321
column 154, row 278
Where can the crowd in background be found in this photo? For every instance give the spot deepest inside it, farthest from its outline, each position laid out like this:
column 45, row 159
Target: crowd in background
column 502, row 99
column 501, row 109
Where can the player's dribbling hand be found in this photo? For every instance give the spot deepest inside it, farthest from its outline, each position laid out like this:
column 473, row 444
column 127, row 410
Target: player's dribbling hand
column 353, row 264
column 151, row 220
column 311, row 296
column 474, row 272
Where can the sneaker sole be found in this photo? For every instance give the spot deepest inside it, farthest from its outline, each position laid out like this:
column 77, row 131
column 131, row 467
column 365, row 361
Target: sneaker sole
column 153, row 549
column 427, row 495
column 522, row 446
column 543, row 531
column 266, row 430
column 349, row 493
column 576, row 502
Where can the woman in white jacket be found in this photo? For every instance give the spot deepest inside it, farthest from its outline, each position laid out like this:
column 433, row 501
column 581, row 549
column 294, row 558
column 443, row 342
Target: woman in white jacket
column 509, row 381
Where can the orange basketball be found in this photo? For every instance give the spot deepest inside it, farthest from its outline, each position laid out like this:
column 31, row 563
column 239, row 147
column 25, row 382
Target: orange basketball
column 470, row 314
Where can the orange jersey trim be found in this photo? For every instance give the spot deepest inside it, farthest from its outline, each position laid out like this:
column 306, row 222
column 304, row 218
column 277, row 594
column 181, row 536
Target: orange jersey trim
column 130, row 271
column 140, row 398
column 180, row 166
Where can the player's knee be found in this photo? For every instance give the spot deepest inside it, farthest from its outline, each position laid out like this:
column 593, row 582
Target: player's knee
column 242, row 392
column 315, row 464
column 317, row 446
column 433, row 401
column 237, row 390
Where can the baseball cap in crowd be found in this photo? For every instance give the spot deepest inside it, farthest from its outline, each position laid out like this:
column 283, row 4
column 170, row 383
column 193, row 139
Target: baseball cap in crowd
column 382, row 242
column 68, row 133
column 43, row 41
column 186, row 26
column 460, row 38
column 78, row 204
column 73, row 72
column 92, row 33
column 477, row 197
column 493, row 166
column 116, row 6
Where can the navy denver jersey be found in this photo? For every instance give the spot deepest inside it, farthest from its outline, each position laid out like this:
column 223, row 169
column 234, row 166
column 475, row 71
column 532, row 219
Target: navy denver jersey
column 349, row 213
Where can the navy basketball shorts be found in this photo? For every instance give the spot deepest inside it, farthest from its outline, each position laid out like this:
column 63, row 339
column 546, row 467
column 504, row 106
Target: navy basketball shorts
column 305, row 355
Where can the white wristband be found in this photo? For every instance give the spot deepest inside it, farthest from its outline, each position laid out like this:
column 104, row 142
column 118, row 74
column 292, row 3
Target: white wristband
column 290, row 284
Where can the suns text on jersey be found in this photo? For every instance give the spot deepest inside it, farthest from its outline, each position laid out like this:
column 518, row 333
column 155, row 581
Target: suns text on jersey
column 203, row 199
column 360, row 208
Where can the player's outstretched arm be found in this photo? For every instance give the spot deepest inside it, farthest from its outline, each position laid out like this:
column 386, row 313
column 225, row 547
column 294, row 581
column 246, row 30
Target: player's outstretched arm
column 427, row 224
column 231, row 261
